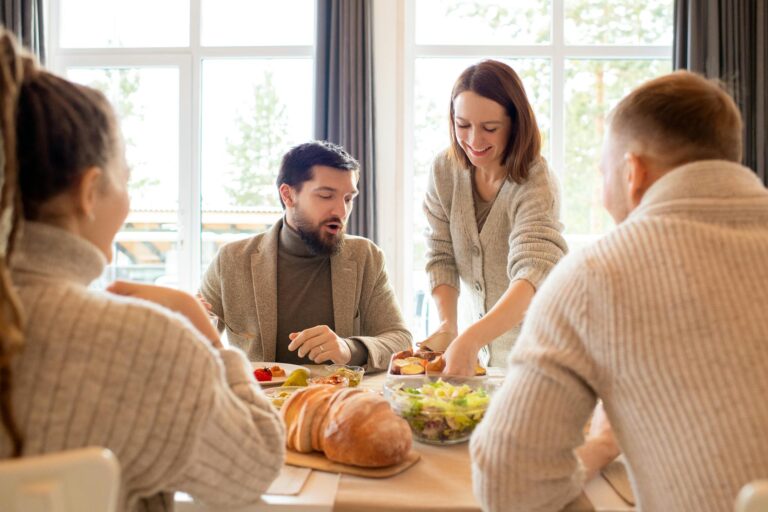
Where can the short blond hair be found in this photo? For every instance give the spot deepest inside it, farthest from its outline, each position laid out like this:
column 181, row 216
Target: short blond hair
column 681, row 117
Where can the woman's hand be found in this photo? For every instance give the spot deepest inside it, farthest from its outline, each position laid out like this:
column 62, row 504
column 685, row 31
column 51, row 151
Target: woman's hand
column 461, row 356
column 175, row 300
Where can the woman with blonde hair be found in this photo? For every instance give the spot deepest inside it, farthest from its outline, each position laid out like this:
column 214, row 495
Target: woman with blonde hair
column 140, row 370
column 493, row 208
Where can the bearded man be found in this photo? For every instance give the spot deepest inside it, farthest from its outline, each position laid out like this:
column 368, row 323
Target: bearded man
column 305, row 292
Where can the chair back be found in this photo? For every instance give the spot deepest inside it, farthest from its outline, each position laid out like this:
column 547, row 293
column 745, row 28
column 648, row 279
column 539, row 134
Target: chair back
column 70, row 481
column 753, row 497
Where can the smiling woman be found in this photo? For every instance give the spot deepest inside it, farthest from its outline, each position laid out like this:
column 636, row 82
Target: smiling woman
column 493, row 209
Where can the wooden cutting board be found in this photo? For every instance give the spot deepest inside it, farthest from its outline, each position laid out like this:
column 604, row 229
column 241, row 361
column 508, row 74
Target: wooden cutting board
column 317, row 460
column 616, row 475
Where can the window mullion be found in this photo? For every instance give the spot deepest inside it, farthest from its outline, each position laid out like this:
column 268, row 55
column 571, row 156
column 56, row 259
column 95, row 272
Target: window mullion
column 558, row 87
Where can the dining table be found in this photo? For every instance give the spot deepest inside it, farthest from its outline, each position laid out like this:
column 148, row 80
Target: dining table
column 441, row 481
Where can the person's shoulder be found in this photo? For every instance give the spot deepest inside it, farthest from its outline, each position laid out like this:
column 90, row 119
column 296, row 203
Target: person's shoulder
column 361, row 249
column 540, row 175
column 243, row 248
column 444, row 164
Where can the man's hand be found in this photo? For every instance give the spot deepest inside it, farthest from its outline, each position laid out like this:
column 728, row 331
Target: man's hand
column 321, row 344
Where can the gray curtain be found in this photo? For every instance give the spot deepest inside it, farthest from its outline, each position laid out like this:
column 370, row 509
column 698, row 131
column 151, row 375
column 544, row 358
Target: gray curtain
column 25, row 19
column 344, row 95
column 727, row 39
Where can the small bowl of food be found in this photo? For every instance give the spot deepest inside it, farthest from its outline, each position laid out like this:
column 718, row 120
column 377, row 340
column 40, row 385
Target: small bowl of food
column 279, row 395
column 441, row 411
column 333, row 380
column 354, row 374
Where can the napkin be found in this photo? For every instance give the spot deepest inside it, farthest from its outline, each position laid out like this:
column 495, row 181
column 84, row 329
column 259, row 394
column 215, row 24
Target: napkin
column 290, row 481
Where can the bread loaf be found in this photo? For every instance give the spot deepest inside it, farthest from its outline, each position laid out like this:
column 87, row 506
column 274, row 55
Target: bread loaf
column 350, row 425
column 364, row 431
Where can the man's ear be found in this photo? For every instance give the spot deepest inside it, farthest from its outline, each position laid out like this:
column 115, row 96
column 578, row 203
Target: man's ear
column 638, row 178
column 287, row 195
column 86, row 191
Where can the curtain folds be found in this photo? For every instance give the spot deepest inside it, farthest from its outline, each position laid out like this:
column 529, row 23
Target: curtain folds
column 344, row 95
column 727, row 39
column 25, row 19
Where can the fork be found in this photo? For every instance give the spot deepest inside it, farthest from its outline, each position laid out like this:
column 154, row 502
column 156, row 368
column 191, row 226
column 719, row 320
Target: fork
column 246, row 335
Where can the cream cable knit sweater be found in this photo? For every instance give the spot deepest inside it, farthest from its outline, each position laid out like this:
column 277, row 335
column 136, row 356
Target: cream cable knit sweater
column 99, row 369
column 665, row 320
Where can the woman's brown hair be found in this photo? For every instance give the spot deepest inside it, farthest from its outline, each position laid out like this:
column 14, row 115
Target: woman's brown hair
column 51, row 130
column 498, row 82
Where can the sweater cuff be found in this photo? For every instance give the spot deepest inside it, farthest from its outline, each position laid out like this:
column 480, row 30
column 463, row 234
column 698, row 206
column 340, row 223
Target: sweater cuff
column 443, row 275
column 359, row 352
column 237, row 368
column 533, row 275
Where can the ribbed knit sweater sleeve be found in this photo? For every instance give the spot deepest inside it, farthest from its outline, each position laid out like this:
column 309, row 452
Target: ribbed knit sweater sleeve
column 535, row 242
column 133, row 377
column 523, row 452
column 441, row 264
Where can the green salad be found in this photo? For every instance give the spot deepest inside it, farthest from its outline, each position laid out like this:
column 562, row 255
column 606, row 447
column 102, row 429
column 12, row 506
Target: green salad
column 440, row 412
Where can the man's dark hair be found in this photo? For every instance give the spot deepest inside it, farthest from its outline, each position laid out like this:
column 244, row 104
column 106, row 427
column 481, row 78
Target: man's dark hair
column 296, row 167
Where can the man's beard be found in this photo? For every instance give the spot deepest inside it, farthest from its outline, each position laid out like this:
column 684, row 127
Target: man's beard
column 319, row 241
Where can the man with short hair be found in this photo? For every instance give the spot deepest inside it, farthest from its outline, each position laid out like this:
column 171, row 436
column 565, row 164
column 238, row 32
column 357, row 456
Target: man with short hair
column 663, row 319
column 304, row 292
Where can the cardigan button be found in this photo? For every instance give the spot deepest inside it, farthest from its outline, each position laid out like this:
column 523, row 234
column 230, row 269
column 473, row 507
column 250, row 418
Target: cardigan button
column 475, row 250
column 478, row 286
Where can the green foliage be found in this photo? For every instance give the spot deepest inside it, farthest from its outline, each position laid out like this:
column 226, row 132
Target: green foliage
column 593, row 87
column 257, row 150
column 523, row 23
column 120, row 86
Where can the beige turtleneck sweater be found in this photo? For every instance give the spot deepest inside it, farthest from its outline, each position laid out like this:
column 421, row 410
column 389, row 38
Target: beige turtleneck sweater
column 665, row 320
column 126, row 374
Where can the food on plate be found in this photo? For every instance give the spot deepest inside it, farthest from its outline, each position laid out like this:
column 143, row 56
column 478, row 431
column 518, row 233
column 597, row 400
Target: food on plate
column 297, row 377
column 421, row 362
column 351, row 425
column 440, row 412
column 263, row 374
column 353, row 373
column 277, row 371
column 334, row 379
column 279, row 395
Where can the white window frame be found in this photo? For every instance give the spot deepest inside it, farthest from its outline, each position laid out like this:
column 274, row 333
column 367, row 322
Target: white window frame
column 395, row 54
column 189, row 62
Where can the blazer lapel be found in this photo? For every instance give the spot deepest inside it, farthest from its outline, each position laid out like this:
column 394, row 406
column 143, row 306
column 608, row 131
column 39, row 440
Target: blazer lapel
column 264, row 278
column 344, row 283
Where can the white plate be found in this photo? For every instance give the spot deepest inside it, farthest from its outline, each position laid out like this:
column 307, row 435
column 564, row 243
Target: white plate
column 288, row 368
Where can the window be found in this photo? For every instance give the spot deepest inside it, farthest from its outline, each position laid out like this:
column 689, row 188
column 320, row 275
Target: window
column 576, row 58
column 210, row 94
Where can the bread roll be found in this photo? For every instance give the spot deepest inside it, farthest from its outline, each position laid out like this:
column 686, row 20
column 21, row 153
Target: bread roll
column 362, row 430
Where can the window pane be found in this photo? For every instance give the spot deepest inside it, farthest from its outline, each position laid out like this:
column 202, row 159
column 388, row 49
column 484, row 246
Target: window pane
column 253, row 111
column 483, row 22
column 124, row 23
column 623, row 22
column 258, row 22
column 147, row 103
column 434, row 80
column 592, row 88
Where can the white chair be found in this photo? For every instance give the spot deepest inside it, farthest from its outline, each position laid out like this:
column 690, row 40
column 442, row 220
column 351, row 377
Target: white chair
column 753, row 497
column 70, row 481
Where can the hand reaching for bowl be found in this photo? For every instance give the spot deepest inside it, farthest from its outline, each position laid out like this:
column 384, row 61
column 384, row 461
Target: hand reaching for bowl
column 461, row 357
column 320, row 344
